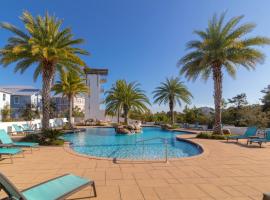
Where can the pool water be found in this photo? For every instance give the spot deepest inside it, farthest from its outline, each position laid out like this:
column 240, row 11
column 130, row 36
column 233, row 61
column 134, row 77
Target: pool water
column 103, row 142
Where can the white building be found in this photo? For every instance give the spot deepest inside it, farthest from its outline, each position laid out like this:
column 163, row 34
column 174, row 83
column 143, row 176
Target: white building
column 4, row 101
column 95, row 78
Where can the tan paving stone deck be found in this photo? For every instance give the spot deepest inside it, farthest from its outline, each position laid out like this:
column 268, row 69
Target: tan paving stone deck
column 225, row 171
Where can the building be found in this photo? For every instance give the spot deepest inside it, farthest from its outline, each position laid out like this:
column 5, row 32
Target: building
column 93, row 101
column 4, row 101
column 61, row 103
column 21, row 96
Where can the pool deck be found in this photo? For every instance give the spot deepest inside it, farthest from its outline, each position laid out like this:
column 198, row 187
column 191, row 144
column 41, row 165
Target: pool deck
column 223, row 171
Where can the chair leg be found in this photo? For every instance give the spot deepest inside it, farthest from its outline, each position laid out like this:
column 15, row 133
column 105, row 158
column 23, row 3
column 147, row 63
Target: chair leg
column 94, row 189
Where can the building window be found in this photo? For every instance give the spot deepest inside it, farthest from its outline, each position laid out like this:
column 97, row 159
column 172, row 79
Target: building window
column 16, row 100
column 4, row 97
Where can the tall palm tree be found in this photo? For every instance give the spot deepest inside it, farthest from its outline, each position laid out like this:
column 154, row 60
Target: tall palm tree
column 113, row 100
column 47, row 47
column 70, row 85
column 171, row 92
column 124, row 96
column 221, row 47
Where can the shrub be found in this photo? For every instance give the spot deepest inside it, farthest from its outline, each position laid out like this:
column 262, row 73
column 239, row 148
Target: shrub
column 48, row 137
column 210, row 135
column 175, row 126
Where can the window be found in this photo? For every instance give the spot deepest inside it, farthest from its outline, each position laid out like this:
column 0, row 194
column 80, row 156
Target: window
column 16, row 100
column 4, row 97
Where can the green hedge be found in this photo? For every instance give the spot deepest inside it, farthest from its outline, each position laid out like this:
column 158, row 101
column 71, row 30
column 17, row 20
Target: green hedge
column 48, row 137
column 210, row 135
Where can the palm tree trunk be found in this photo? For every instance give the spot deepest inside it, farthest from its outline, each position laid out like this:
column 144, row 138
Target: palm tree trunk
column 171, row 112
column 70, row 102
column 217, row 77
column 126, row 114
column 47, row 76
column 118, row 116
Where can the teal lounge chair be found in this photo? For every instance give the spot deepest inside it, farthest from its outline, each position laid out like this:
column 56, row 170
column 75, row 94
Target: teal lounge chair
column 260, row 140
column 10, row 152
column 55, row 189
column 27, row 128
column 18, row 129
column 250, row 132
column 6, row 141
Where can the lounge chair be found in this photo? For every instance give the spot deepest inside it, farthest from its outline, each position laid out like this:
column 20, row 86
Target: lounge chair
column 266, row 196
column 250, row 132
column 54, row 189
column 18, row 129
column 260, row 140
column 27, row 128
column 6, row 141
column 10, row 152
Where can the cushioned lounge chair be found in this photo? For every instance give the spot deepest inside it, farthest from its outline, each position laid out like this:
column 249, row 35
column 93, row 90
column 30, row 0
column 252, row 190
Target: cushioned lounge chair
column 27, row 128
column 18, row 129
column 10, row 152
column 6, row 141
column 250, row 132
column 260, row 140
column 54, row 189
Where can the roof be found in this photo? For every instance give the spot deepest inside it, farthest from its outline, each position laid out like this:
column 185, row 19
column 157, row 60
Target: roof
column 4, row 91
column 61, row 96
column 20, row 90
column 96, row 71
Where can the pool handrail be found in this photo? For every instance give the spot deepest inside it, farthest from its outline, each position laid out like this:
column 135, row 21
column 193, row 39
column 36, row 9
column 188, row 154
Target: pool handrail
column 156, row 138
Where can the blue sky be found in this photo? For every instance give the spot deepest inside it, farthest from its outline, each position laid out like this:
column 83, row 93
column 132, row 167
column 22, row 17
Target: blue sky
column 142, row 40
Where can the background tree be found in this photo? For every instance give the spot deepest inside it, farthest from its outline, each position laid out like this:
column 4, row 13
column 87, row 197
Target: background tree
column 221, row 47
column 6, row 112
column 172, row 92
column 77, row 112
column 239, row 100
column 70, row 85
column 29, row 112
column 126, row 97
column 44, row 45
column 266, row 99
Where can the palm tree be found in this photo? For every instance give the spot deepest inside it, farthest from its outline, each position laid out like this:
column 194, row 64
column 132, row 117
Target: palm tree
column 43, row 45
column 113, row 100
column 221, row 47
column 124, row 97
column 70, row 85
column 171, row 92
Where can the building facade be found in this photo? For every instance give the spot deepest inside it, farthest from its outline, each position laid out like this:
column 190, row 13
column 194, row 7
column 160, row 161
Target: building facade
column 93, row 100
column 21, row 96
column 61, row 104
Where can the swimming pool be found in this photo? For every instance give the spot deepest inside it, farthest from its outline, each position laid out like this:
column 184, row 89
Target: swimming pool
column 103, row 142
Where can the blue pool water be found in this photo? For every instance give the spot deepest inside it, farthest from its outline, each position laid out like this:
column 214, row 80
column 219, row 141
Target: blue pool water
column 103, row 142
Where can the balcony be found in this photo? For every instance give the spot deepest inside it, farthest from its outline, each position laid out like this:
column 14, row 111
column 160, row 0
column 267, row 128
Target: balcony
column 103, row 80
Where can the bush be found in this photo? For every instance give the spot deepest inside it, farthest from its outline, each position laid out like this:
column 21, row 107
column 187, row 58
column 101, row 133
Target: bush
column 209, row 135
column 48, row 137
column 175, row 126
